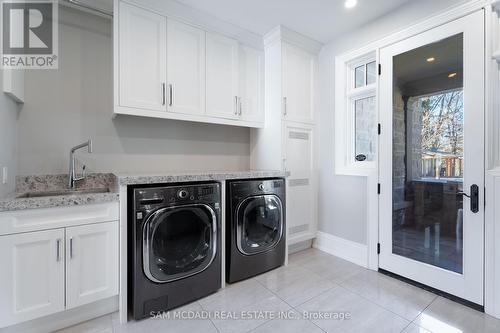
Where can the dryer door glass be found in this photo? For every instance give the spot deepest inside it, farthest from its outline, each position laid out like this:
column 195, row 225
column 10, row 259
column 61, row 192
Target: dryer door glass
column 179, row 242
column 260, row 224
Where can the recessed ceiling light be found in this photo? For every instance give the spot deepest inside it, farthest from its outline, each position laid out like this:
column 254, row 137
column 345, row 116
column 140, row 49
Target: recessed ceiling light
column 452, row 75
column 431, row 59
column 351, row 3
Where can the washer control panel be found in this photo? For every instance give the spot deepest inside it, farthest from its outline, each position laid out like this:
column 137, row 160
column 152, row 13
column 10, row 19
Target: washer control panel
column 148, row 199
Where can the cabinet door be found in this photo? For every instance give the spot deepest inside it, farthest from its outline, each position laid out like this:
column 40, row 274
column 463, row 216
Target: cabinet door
column 92, row 263
column 251, row 85
column 142, row 58
column 301, row 200
column 222, row 76
column 32, row 275
column 185, row 68
column 298, row 84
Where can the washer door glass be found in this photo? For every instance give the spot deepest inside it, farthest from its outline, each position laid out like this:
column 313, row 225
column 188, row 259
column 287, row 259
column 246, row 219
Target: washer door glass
column 178, row 242
column 259, row 224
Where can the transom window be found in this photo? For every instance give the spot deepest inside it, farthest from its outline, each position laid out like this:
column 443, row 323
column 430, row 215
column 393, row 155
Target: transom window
column 365, row 74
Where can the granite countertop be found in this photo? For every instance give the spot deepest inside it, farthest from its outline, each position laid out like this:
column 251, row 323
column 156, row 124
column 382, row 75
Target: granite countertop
column 125, row 179
column 106, row 186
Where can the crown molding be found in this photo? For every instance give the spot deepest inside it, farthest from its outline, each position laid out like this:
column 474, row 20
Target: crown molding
column 284, row 34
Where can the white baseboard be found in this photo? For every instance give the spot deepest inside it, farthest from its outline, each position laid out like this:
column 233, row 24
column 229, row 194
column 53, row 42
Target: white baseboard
column 297, row 247
column 66, row 318
column 348, row 250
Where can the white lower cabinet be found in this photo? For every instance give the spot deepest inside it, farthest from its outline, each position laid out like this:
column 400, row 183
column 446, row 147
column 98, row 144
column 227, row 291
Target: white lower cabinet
column 92, row 263
column 44, row 272
column 32, row 275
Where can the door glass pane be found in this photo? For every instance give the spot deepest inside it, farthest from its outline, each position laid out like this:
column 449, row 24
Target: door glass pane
column 365, row 128
column 371, row 72
column 359, row 76
column 181, row 242
column 428, row 152
column 261, row 224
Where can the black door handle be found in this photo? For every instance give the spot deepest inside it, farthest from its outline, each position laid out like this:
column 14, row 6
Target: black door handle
column 474, row 198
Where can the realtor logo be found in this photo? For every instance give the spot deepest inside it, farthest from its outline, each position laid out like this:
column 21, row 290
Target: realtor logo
column 29, row 34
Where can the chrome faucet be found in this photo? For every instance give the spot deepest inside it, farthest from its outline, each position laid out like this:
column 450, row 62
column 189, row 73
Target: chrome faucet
column 72, row 174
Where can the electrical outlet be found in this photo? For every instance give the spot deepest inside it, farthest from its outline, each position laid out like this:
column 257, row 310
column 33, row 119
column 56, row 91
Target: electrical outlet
column 5, row 175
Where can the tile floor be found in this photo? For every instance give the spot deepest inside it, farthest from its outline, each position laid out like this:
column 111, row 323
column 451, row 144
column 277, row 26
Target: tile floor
column 319, row 285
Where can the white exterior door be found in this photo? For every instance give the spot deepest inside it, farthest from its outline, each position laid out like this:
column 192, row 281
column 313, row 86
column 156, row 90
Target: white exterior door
column 222, row 76
column 298, row 84
column 251, row 84
column 432, row 158
column 301, row 193
column 142, row 58
column 92, row 263
column 185, row 68
column 32, row 275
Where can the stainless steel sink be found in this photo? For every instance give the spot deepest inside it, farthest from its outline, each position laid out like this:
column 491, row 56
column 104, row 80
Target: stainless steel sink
column 39, row 194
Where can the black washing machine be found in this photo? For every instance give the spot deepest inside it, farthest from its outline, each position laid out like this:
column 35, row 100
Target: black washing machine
column 255, row 227
column 174, row 246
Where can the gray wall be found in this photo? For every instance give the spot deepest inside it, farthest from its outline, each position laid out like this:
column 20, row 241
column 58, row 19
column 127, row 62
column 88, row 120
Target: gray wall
column 69, row 105
column 8, row 139
column 342, row 199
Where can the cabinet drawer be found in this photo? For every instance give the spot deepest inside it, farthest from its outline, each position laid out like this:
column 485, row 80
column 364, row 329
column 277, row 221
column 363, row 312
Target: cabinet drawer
column 58, row 217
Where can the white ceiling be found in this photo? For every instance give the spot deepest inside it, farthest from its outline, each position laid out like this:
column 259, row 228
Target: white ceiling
column 322, row 20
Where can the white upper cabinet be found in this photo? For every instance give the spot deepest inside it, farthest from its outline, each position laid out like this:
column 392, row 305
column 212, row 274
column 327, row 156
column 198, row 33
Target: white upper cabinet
column 169, row 69
column 222, row 76
column 185, row 68
column 251, row 87
column 32, row 275
column 298, row 84
column 142, row 58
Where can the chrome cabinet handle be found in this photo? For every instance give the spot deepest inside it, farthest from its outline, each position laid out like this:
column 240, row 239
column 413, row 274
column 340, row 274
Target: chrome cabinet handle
column 284, row 106
column 171, row 94
column 236, row 105
column 71, row 248
column 163, row 94
column 58, row 250
column 240, row 107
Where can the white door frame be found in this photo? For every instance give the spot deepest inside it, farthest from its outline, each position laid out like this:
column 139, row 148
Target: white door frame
column 470, row 284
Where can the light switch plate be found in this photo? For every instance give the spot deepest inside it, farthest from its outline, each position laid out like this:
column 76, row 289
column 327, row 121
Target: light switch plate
column 5, row 175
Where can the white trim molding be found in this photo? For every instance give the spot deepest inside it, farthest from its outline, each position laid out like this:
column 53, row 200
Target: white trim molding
column 345, row 249
column 492, row 245
column 284, row 34
column 66, row 318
